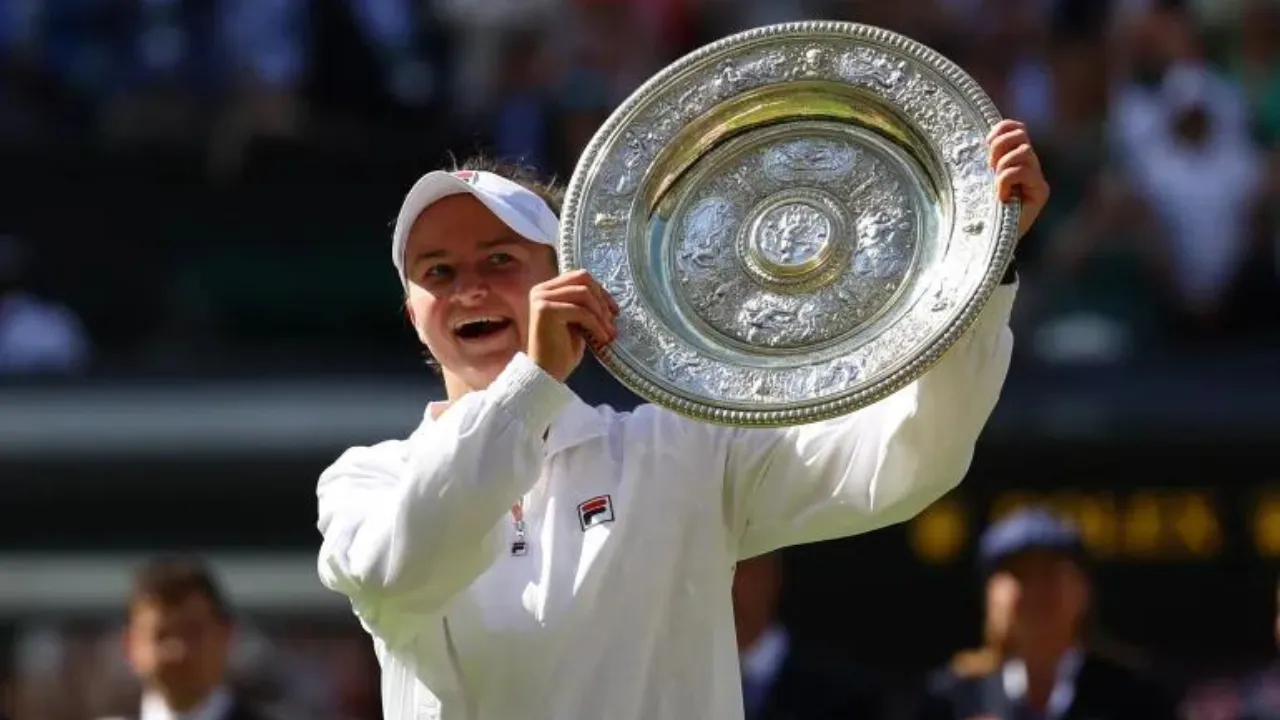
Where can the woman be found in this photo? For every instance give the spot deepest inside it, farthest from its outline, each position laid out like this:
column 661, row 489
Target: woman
column 524, row 555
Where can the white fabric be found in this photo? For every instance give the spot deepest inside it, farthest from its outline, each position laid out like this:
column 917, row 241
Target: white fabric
column 630, row 619
column 1014, row 677
column 515, row 205
column 214, row 707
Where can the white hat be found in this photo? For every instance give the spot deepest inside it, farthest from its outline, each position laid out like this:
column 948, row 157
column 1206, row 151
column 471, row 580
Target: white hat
column 515, row 205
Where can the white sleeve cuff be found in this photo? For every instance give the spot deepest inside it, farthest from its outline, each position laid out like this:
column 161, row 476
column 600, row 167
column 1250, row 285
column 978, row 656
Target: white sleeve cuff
column 529, row 394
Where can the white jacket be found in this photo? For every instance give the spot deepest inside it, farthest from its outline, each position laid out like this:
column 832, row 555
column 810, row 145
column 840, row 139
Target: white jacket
column 629, row 618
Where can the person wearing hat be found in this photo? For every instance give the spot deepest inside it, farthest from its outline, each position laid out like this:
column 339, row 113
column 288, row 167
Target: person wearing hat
column 1038, row 663
column 522, row 554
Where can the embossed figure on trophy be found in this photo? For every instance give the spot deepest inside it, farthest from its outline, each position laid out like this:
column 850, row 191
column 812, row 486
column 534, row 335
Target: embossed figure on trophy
column 772, row 66
column 794, row 234
column 706, row 231
column 878, row 255
column 810, row 64
column 810, row 161
column 969, row 152
column 839, row 374
column 637, row 149
column 680, row 364
column 608, row 263
column 727, row 79
column 723, row 293
column 766, row 323
column 879, row 71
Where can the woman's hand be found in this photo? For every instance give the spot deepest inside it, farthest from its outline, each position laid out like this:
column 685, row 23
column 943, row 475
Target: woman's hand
column 1018, row 173
column 564, row 313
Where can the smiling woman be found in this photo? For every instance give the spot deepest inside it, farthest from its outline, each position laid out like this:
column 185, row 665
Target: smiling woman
column 431, row 267
column 492, row 549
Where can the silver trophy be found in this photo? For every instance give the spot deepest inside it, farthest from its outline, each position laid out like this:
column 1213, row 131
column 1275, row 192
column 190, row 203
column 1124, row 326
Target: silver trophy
column 796, row 221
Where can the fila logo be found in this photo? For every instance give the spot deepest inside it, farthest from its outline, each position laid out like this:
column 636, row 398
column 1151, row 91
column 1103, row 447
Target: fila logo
column 596, row 511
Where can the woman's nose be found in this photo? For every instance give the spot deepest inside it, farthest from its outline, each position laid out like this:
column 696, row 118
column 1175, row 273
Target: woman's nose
column 470, row 286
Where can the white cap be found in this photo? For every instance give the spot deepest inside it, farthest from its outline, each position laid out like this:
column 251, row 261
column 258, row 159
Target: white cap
column 515, row 205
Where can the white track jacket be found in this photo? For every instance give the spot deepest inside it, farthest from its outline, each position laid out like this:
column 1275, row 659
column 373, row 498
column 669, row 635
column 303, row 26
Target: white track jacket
column 620, row 609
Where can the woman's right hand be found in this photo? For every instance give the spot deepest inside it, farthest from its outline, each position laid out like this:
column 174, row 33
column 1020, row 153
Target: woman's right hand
column 565, row 313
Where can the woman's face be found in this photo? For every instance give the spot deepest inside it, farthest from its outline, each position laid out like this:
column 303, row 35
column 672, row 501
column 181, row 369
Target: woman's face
column 469, row 279
column 1037, row 597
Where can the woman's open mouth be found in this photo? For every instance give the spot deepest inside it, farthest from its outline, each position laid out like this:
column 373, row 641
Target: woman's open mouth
column 481, row 328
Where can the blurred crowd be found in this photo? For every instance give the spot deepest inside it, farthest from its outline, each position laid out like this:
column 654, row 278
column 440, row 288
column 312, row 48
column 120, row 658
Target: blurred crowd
column 177, row 155
column 185, row 650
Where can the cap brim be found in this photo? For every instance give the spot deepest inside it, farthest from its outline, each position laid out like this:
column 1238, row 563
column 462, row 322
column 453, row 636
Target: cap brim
column 437, row 185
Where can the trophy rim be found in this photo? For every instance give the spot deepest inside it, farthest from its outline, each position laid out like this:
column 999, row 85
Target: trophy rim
column 965, row 90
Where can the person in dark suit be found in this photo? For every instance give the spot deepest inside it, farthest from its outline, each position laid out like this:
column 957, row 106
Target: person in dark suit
column 178, row 642
column 779, row 680
column 1038, row 663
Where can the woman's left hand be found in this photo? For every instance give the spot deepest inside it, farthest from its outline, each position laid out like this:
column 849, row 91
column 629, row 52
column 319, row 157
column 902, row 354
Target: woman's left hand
column 1018, row 173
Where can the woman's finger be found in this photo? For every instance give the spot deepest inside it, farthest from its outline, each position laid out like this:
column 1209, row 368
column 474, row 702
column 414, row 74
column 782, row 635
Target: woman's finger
column 582, row 295
column 1016, row 182
column 1004, row 144
column 1003, row 127
column 574, row 315
column 1024, row 155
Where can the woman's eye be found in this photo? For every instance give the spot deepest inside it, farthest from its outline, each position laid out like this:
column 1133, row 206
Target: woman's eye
column 435, row 272
column 500, row 258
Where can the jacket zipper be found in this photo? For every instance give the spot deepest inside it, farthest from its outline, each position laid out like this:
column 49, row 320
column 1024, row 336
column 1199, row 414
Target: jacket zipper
column 468, row 706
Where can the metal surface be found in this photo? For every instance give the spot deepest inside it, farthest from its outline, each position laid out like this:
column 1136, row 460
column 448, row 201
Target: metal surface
column 796, row 221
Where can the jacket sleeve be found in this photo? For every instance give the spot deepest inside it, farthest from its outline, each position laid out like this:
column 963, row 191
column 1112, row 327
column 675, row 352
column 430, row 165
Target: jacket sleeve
column 408, row 525
column 874, row 467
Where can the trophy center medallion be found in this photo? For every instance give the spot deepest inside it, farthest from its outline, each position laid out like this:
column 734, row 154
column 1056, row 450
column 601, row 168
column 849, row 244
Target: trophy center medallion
column 792, row 238
column 796, row 240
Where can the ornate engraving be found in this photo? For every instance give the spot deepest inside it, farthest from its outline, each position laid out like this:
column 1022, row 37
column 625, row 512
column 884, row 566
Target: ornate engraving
column 707, row 231
column 796, row 270
column 608, row 221
column 812, row 161
column 813, row 273
column 608, row 264
column 793, row 235
column 862, row 68
column 810, row 63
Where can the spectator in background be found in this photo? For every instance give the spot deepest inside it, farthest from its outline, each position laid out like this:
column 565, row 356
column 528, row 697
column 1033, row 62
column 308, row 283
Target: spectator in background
column 1203, row 178
column 780, row 681
column 178, row 642
column 37, row 337
column 1181, row 136
column 1096, row 270
column 1038, row 662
